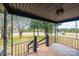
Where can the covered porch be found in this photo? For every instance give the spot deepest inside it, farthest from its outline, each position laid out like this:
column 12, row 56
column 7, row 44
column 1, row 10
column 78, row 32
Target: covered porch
column 62, row 42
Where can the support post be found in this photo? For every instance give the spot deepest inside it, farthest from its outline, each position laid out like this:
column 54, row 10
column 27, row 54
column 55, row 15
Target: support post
column 76, row 42
column 35, row 44
column 5, row 33
column 55, row 33
column 11, row 35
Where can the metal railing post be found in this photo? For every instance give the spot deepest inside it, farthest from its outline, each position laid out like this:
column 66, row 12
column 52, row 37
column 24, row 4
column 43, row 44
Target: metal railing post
column 28, row 47
column 47, row 40
column 35, row 44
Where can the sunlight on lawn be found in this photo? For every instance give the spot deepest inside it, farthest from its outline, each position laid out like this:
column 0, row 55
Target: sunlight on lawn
column 16, row 39
column 26, row 37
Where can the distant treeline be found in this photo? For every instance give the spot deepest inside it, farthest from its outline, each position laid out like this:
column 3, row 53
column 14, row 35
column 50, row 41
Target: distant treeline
column 69, row 30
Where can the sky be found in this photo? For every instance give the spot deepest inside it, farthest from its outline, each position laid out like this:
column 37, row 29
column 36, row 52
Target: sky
column 69, row 25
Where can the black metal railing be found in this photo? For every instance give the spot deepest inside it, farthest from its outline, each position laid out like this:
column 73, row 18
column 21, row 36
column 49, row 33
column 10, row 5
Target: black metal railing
column 34, row 44
column 30, row 46
column 42, row 41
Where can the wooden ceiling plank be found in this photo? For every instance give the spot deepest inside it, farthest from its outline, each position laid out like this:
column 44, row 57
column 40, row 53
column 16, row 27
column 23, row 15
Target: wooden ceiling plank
column 46, row 11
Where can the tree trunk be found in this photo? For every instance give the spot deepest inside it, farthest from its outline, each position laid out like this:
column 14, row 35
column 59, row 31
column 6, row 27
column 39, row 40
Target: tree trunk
column 34, row 32
column 9, row 35
column 51, row 33
column 46, row 32
column 9, row 32
column 20, row 34
column 1, row 33
column 38, row 32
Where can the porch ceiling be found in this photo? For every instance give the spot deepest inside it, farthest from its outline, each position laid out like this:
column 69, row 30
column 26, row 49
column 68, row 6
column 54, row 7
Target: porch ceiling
column 52, row 12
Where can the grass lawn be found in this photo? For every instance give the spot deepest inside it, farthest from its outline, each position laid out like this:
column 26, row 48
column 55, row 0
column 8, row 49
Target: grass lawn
column 1, row 42
column 16, row 39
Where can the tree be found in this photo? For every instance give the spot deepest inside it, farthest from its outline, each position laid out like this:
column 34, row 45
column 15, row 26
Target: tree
column 51, row 27
column 21, row 24
column 48, row 27
column 2, row 24
column 9, row 26
column 33, row 25
column 37, row 24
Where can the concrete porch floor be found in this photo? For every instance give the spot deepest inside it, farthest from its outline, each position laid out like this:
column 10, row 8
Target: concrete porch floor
column 55, row 50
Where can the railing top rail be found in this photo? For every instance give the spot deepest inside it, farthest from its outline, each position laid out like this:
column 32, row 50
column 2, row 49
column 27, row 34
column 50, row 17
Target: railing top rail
column 41, row 39
column 41, row 43
column 31, row 42
column 17, row 43
column 67, row 37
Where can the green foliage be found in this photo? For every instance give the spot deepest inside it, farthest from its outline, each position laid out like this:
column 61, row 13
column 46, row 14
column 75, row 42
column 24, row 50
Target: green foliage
column 27, row 30
column 37, row 24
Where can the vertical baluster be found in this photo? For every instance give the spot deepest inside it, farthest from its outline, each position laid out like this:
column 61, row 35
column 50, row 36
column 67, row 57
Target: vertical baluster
column 78, row 43
column 72, row 43
column 28, row 49
column 24, row 48
column 21, row 48
column 65, row 41
column 15, row 49
column 62, row 40
column 18, row 49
